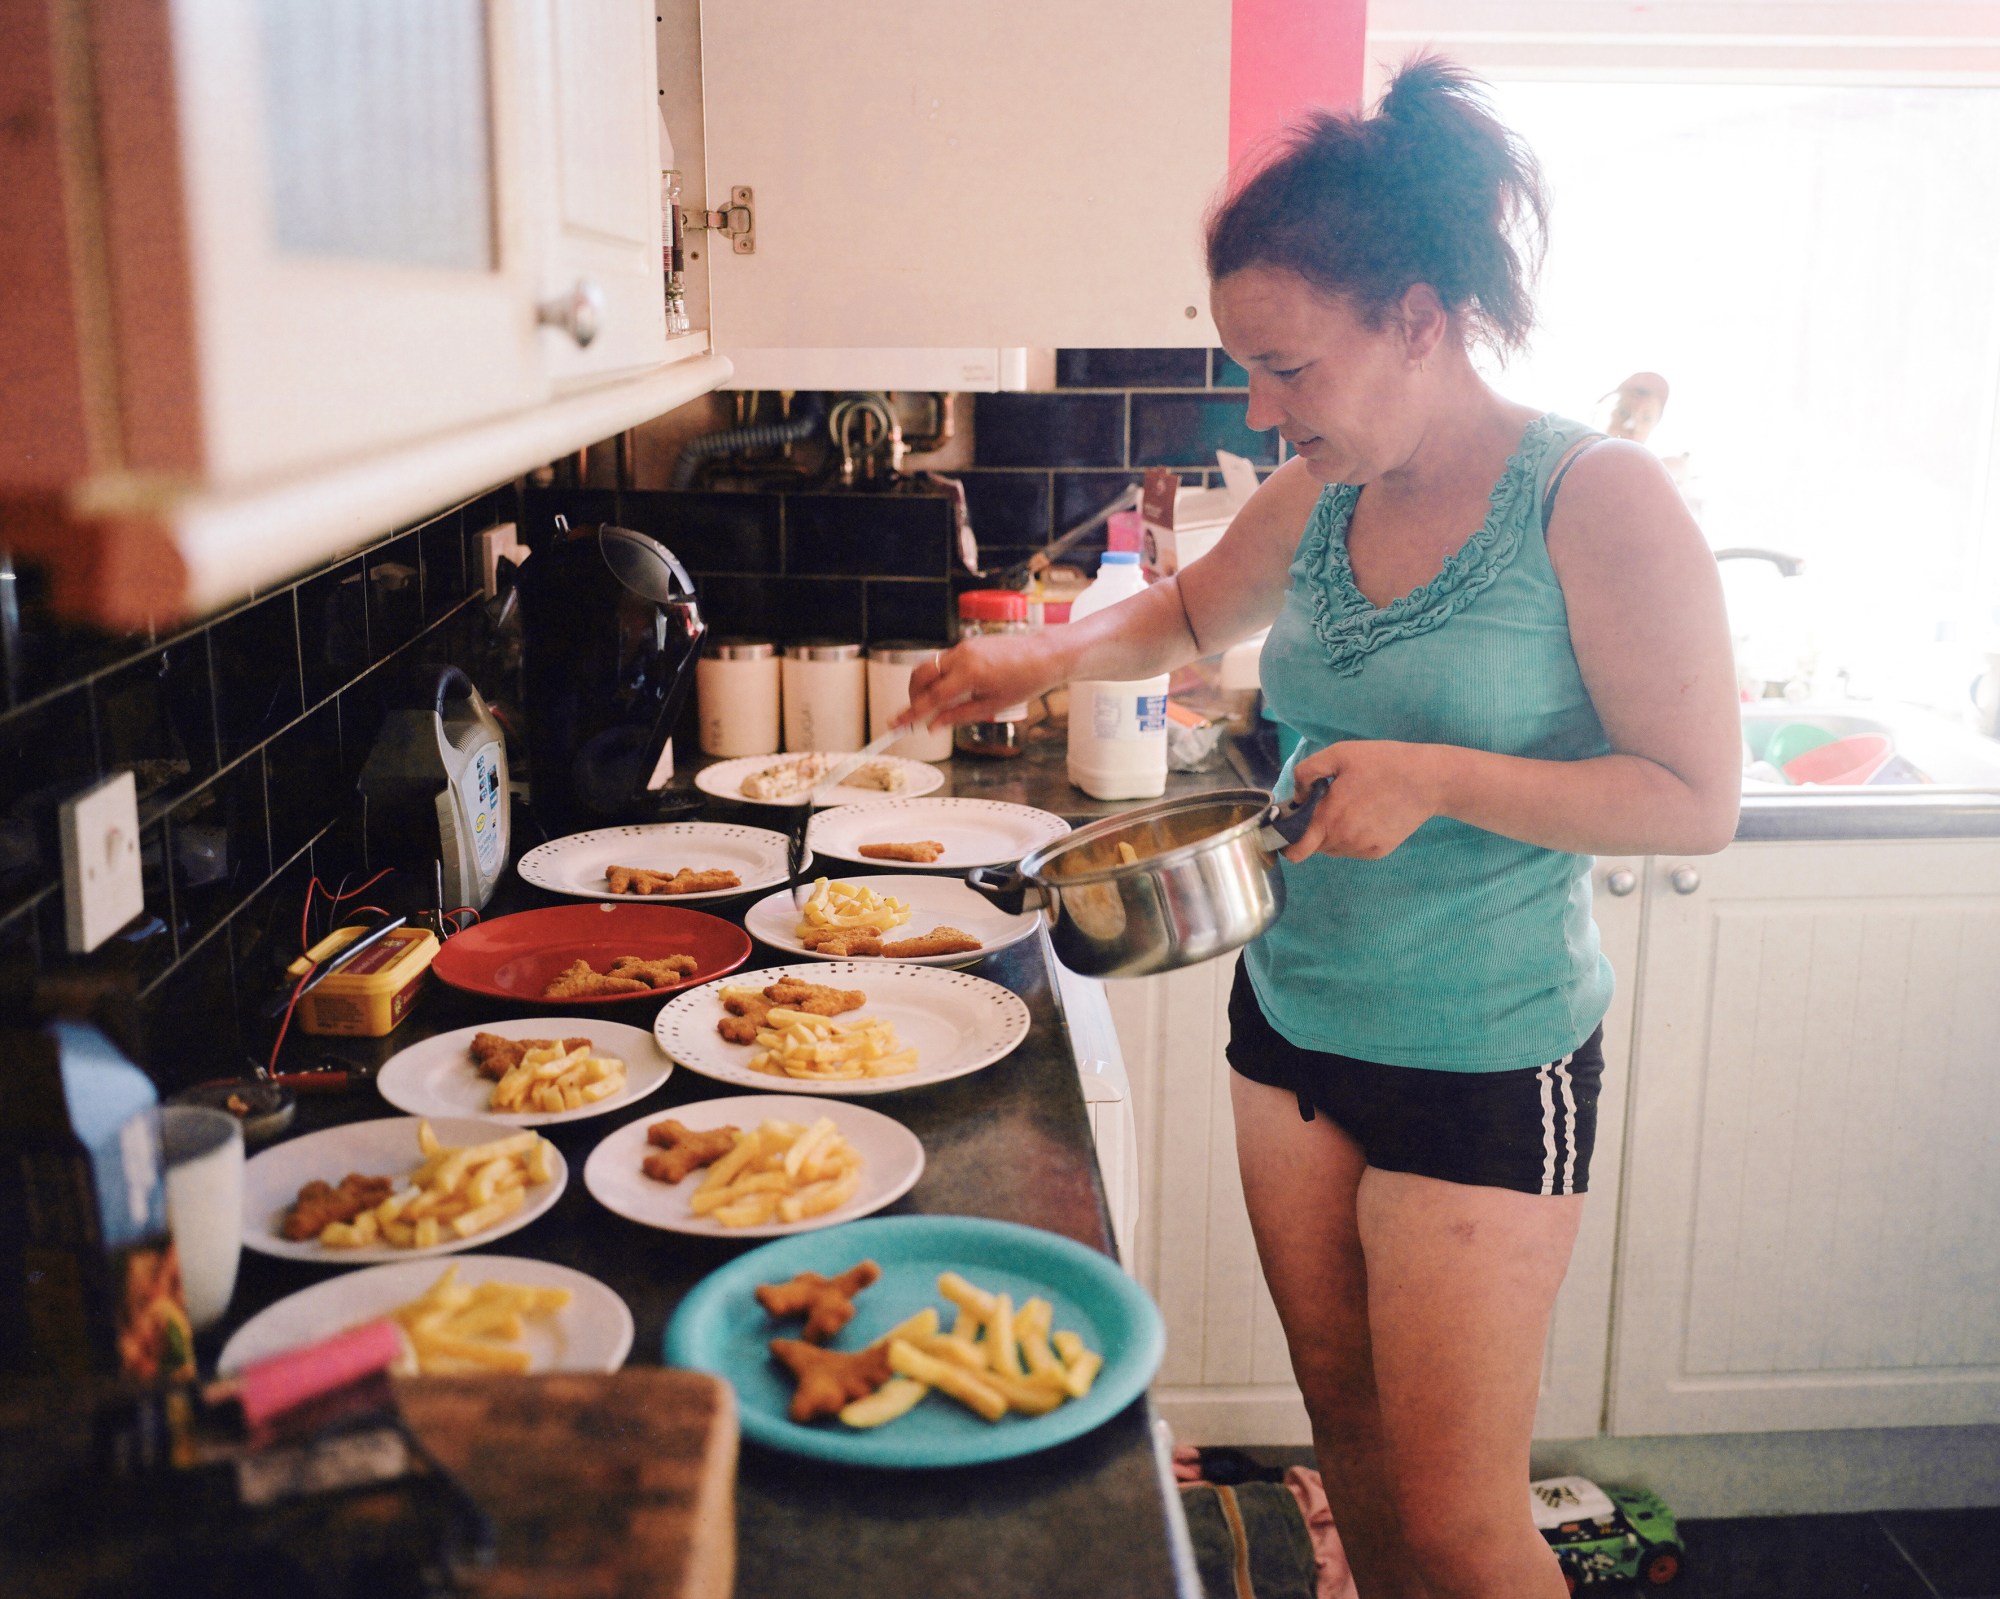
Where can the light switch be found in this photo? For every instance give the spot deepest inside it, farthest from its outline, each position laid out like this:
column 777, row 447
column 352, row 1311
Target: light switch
column 102, row 887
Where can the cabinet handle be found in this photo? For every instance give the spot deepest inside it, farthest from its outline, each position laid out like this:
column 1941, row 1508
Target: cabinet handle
column 579, row 313
column 1685, row 879
column 1621, row 882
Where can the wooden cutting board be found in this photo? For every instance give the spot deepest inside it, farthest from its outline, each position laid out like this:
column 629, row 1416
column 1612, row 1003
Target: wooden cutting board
column 613, row 1485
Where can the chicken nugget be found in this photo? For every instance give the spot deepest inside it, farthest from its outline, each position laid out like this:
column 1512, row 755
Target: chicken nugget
column 921, row 851
column 579, row 981
column 496, row 1056
column 843, row 941
column 682, row 1149
column 938, row 941
column 827, row 1303
column 686, row 880
column 828, row 1379
column 816, row 999
column 662, row 973
column 748, row 1010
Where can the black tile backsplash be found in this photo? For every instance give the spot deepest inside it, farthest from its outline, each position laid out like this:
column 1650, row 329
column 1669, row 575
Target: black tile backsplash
column 1131, row 369
column 233, row 731
column 1049, row 429
column 908, row 609
column 255, row 656
column 1187, row 430
column 711, row 532
column 1225, row 373
column 1007, row 507
column 861, row 535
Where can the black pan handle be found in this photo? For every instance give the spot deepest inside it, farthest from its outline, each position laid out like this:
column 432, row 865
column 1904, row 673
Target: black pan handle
column 1007, row 888
column 1287, row 823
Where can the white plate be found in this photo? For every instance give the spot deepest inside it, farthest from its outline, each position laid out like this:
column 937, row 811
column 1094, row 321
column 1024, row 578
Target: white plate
column 436, row 1077
column 593, row 1332
column 933, row 902
column 575, row 865
column 974, row 832
column 725, row 780
column 383, row 1148
column 892, row 1159
column 957, row 1023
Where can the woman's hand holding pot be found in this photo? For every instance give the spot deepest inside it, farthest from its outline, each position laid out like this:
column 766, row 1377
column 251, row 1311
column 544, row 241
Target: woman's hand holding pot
column 1382, row 792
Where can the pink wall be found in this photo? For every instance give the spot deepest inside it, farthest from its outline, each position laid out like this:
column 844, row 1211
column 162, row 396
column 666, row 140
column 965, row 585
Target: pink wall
column 1287, row 55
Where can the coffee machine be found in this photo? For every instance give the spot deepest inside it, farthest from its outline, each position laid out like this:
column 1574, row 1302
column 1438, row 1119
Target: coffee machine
column 610, row 634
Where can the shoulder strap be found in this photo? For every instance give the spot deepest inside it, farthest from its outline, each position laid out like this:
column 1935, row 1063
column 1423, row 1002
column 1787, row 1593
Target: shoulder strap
column 1581, row 448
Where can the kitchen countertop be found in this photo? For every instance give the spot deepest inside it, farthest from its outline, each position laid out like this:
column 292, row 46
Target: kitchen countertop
column 1092, row 1518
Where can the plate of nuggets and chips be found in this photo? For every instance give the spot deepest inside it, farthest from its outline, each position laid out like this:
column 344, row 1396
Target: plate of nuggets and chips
column 681, row 861
column 926, row 921
column 454, row 1317
column 591, row 954
column 942, row 834
column 388, row 1197
column 841, row 1344
column 754, row 1166
column 526, row 1071
column 787, row 779
column 842, row 1027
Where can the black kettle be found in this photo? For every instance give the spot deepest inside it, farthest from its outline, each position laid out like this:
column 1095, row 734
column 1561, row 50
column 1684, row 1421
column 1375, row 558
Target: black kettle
column 610, row 634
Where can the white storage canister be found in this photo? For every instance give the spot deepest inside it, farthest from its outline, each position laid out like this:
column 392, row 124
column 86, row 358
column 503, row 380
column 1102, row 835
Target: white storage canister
column 826, row 696
column 889, row 668
column 736, row 690
column 1117, row 731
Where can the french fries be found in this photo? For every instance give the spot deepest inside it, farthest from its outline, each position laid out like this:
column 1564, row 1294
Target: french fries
column 552, row 1079
column 455, row 1327
column 997, row 1360
column 779, row 1171
column 848, row 905
column 455, row 1193
column 795, row 1043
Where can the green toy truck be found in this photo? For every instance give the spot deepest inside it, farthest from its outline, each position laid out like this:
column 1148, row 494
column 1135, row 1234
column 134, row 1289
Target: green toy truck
column 1604, row 1535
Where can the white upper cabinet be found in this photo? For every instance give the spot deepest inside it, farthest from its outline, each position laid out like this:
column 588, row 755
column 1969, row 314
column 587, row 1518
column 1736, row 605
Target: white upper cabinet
column 297, row 272
column 958, row 178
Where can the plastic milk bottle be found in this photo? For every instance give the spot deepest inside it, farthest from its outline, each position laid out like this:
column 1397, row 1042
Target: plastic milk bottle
column 1117, row 731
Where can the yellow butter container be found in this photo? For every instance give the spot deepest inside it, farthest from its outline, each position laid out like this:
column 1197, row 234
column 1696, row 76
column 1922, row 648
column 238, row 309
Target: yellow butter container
column 368, row 997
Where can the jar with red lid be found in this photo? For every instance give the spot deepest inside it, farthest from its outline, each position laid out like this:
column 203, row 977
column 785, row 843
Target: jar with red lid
column 982, row 611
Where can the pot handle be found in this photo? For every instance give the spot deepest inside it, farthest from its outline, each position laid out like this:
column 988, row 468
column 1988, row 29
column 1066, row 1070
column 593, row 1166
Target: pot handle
column 1007, row 888
column 1287, row 823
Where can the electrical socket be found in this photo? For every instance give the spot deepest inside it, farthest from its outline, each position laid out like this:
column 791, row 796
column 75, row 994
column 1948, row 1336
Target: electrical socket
column 102, row 886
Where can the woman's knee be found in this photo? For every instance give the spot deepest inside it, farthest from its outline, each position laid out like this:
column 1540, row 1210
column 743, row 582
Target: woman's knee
column 1469, row 1549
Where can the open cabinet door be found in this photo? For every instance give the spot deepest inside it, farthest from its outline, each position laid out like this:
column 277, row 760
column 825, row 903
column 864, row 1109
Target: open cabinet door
column 952, row 176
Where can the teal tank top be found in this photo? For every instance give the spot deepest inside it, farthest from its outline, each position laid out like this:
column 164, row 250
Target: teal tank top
column 1460, row 950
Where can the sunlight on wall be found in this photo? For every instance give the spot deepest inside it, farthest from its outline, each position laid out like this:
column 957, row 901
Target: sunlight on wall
column 1816, row 271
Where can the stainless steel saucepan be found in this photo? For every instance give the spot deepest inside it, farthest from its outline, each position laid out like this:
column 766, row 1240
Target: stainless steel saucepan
column 1197, row 878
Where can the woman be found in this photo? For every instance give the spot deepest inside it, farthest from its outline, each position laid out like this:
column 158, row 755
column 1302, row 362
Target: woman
column 1501, row 683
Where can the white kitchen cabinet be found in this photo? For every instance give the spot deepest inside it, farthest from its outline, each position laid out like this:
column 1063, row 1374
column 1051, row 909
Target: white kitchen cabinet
column 1811, row 1193
column 1226, row 1377
column 297, row 272
column 932, row 185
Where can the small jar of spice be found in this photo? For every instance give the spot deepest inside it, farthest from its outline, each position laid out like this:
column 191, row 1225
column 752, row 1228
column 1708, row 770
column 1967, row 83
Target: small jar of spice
column 983, row 611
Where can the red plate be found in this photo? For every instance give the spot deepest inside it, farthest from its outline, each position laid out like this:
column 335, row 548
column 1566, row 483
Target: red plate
column 514, row 957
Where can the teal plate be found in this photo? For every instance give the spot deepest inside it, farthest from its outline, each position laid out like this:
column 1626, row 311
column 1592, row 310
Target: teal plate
column 720, row 1328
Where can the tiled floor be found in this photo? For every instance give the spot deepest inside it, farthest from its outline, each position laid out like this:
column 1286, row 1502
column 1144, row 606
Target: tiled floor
column 1895, row 1554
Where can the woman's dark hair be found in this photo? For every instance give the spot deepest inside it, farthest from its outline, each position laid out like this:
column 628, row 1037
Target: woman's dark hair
column 1433, row 189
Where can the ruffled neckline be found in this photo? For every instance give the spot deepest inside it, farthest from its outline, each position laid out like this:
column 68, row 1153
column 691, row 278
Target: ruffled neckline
column 1350, row 626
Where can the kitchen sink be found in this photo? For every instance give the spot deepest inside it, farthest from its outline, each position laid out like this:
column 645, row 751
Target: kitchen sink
column 1931, row 752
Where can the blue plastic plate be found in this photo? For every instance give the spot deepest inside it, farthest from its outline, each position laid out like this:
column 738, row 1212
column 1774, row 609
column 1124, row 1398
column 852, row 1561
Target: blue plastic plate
column 720, row 1328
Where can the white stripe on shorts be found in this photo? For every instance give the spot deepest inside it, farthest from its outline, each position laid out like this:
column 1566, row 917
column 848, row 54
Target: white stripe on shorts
column 1548, row 1130
column 1569, row 1124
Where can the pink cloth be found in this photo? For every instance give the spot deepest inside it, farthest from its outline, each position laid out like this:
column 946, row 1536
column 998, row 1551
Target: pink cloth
column 1336, row 1580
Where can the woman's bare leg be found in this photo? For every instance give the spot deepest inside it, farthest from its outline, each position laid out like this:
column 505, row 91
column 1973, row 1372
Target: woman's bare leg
column 1461, row 1281
column 1300, row 1181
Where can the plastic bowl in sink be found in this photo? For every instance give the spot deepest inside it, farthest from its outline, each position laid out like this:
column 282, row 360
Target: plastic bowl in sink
column 1851, row 760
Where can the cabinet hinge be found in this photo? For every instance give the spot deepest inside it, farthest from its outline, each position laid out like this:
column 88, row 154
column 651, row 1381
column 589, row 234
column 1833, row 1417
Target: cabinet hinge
column 738, row 222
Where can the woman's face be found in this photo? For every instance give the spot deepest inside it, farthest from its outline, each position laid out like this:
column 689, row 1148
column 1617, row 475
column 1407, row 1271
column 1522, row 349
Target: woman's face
column 1340, row 391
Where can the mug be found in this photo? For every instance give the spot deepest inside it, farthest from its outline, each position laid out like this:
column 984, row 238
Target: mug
column 203, row 1149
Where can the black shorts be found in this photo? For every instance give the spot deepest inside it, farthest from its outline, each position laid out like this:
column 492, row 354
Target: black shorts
column 1529, row 1130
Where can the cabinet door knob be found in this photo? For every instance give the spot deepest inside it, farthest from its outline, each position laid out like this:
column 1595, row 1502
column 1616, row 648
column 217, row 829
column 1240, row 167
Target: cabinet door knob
column 1685, row 879
column 579, row 313
column 1621, row 882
